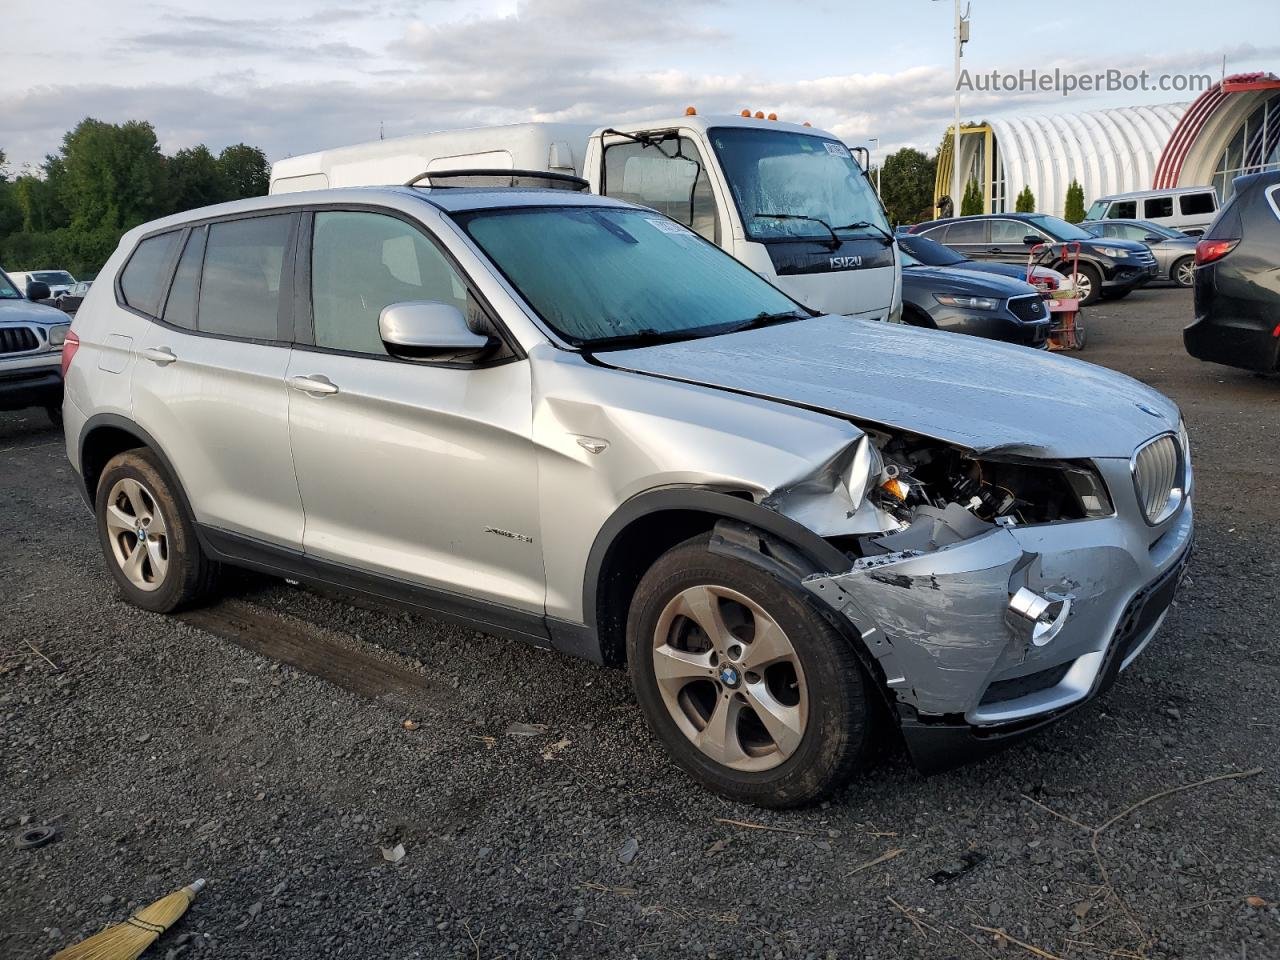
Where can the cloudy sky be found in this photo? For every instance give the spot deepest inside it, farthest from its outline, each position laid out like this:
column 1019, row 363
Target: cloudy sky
column 293, row 77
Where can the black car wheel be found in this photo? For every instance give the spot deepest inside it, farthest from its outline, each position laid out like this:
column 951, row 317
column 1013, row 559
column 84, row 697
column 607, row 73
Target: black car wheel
column 1087, row 280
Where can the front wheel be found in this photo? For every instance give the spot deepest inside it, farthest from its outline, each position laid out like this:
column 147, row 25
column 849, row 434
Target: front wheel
column 1087, row 281
column 744, row 682
column 1183, row 272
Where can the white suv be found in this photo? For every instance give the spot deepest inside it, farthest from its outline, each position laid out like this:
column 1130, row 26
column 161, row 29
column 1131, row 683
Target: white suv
column 569, row 419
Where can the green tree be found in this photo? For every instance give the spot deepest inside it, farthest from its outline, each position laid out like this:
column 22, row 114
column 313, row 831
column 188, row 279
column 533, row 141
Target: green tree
column 906, row 185
column 1074, row 212
column 1026, row 202
column 196, row 179
column 245, row 170
column 972, row 202
column 114, row 174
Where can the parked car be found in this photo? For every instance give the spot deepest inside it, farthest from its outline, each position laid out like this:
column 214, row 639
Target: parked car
column 31, row 338
column 1109, row 269
column 562, row 417
column 1187, row 209
column 70, row 299
column 1175, row 251
column 972, row 302
column 934, row 254
column 1237, row 285
column 58, row 281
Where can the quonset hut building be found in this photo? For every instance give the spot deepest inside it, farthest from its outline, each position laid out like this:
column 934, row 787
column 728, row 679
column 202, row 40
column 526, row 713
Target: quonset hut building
column 1231, row 129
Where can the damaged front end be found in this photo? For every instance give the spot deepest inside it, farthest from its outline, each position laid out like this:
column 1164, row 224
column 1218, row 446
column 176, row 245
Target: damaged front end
column 992, row 588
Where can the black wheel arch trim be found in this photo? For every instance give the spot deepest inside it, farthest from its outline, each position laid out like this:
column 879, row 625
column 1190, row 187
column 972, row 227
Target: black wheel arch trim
column 717, row 503
column 145, row 439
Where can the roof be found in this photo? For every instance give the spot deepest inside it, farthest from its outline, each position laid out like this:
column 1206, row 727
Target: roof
column 1142, row 194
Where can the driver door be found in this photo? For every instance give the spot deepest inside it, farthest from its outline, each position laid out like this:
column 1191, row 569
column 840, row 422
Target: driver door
column 422, row 472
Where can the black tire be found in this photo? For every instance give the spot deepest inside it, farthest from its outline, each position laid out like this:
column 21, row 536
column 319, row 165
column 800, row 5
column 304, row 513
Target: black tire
column 1180, row 274
column 190, row 576
column 915, row 317
column 1092, row 274
column 54, row 414
column 842, row 710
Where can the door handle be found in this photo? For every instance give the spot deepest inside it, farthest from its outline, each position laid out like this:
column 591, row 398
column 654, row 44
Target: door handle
column 160, row 356
column 315, row 385
column 994, row 250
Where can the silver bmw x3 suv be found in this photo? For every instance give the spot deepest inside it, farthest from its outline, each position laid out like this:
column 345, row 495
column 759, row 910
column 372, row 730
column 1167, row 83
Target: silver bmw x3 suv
column 570, row 420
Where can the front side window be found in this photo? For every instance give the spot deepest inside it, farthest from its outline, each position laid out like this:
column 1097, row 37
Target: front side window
column 1157, row 207
column 596, row 274
column 143, row 280
column 362, row 262
column 1124, row 210
column 668, row 175
column 243, row 268
column 1193, row 204
column 7, row 290
column 791, row 186
column 1009, row 233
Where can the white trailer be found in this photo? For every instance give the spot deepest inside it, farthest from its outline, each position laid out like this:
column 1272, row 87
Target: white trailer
column 789, row 201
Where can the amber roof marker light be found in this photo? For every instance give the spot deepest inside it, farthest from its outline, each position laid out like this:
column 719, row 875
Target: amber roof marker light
column 690, row 111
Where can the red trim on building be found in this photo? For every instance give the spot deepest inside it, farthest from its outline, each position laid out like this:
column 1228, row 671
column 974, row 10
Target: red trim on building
column 1197, row 116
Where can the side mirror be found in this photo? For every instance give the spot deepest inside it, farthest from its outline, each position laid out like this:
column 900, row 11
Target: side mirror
column 1152, row 239
column 38, row 290
column 428, row 330
column 1030, row 240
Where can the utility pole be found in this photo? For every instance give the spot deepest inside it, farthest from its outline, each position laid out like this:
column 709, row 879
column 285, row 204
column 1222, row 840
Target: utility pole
column 961, row 32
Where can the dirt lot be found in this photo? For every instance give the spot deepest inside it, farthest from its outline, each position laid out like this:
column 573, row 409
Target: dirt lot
column 168, row 749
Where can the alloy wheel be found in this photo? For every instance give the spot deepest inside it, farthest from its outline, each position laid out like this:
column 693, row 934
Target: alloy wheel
column 1082, row 284
column 1185, row 274
column 138, row 535
column 730, row 678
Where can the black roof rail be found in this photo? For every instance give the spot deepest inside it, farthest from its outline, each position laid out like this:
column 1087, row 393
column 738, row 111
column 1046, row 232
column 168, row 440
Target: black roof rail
column 544, row 178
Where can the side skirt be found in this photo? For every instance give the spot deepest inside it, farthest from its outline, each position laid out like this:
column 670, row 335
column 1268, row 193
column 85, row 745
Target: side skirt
column 238, row 550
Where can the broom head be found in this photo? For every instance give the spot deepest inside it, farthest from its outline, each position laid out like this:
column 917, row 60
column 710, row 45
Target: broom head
column 126, row 940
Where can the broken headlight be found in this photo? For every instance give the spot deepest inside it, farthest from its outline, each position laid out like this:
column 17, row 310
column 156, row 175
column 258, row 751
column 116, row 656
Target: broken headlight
column 1090, row 490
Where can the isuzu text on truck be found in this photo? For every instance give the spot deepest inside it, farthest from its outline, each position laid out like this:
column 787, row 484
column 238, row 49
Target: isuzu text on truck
column 789, row 201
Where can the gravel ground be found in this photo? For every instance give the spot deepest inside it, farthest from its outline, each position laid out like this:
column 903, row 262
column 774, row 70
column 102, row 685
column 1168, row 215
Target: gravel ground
column 163, row 752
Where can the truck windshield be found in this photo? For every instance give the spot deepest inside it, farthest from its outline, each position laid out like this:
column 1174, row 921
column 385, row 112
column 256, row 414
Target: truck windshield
column 812, row 182
column 615, row 276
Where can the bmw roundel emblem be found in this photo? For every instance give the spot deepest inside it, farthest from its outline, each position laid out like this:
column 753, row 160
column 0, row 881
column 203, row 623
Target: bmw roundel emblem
column 729, row 676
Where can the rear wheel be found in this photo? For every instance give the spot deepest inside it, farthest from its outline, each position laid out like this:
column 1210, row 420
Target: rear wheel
column 148, row 538
column 745, row 684
column 1183, row 271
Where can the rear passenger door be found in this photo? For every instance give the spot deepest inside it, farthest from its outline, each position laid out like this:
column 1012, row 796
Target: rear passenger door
column 208, row 379
column 420, row 471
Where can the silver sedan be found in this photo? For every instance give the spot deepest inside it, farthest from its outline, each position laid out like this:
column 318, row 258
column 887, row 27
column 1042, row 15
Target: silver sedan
column 1175, row 252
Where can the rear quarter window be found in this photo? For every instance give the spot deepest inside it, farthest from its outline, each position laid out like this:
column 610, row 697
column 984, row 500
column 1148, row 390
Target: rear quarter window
column 1192, row 204
column 146, row 275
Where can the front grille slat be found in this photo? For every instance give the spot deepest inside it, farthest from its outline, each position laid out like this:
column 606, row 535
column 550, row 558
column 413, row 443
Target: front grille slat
column 1155, row 475
column 18, row 340
column 1029, row 308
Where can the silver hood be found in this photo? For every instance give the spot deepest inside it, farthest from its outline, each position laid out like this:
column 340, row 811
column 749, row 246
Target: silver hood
column 24, row 311
column 976, row 393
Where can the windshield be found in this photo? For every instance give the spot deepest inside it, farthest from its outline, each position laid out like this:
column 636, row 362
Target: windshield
column 1060, row 229
column 1155, row 230
column 53, row 276
column 598, row 274
column 7, row 290
column 929, row 252
column 799, row 176
column 1097, row 210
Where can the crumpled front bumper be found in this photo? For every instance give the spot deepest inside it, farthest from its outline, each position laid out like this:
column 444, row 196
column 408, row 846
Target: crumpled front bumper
column 936, row 624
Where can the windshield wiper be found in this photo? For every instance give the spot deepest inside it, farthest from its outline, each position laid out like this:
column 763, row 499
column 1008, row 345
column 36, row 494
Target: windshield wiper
column 763, row 319
column 835, row 241
column 867, row 224
column 646, row 337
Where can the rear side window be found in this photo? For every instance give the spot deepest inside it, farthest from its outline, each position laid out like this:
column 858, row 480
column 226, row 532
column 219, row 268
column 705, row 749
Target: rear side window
column 1226, row 225
column 143, row 281
column 1196, row 203
column 180, row 308
column 968, row 231
column 243, row 268
column 1154, row 207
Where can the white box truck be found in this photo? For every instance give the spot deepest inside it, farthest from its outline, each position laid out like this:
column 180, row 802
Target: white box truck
column 788, row 200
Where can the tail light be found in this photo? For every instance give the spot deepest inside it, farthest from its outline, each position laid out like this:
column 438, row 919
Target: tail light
column 1209, row 251
column 69, row 347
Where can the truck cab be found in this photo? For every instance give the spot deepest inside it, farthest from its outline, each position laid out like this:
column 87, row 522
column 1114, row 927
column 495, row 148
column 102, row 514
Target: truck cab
column 788, row 200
